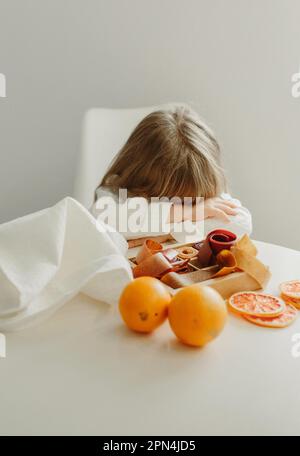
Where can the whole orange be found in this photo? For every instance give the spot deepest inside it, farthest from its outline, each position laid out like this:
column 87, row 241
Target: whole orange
column 144, row 304
column 197, row 314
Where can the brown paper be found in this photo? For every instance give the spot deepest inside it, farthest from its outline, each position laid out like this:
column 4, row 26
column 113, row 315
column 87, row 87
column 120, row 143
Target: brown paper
column 202, row 274
column 149, row 248
column 175, row 280
column 252, row 266
column 246, row 245
column 233, row 283
column 153, row 266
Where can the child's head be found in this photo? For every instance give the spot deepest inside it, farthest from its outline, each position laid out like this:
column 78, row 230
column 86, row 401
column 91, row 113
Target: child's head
column 170, row 153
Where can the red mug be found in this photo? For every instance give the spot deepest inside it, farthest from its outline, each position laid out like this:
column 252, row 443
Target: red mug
column 221, row 240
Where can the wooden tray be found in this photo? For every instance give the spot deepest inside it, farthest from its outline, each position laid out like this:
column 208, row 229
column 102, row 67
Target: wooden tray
column 226, row 285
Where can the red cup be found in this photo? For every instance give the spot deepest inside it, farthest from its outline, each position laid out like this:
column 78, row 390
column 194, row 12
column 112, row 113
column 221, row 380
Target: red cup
column 221, row 240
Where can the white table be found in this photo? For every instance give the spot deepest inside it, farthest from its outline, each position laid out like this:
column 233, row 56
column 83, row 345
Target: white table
column 83, row 372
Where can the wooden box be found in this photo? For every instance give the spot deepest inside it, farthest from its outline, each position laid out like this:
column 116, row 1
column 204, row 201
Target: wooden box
column 226, row 285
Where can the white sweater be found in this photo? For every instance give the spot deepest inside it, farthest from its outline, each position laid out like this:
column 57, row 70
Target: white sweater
column 152, row 218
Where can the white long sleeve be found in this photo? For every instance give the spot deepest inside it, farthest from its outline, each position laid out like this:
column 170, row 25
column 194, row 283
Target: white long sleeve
column 136, row 218
column 140, row 218
column 240, row 224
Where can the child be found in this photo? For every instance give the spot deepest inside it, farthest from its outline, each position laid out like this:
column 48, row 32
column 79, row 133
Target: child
column 169, row 156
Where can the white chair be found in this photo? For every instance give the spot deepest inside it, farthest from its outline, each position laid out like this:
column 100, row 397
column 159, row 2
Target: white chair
column 104, row 133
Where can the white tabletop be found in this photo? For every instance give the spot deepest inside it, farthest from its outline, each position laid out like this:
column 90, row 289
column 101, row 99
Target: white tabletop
column 82, row 372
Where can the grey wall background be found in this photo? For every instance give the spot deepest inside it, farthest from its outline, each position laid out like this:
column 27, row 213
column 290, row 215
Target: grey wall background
column 233, row 59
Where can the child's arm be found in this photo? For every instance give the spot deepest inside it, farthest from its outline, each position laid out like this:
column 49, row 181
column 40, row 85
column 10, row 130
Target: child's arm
column 221, row 212
column 157, row 218
column 240, row 223
column 136, row 219
column 213, row 207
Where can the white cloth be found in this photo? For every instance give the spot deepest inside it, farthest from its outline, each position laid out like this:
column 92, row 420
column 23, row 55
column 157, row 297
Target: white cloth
column 240, row 224
column 48, row 257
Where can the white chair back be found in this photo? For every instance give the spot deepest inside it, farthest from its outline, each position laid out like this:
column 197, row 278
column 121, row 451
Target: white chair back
column 104, row 133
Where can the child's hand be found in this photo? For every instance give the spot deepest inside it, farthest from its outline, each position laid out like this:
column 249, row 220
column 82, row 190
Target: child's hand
column 219, row 208
column 211, row 207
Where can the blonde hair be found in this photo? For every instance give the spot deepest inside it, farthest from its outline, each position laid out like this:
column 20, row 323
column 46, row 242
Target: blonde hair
column 170, row 153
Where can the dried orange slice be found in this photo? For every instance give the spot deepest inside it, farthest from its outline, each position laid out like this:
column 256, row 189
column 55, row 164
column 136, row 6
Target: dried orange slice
column 256, row 304
column 285, row 319
column 291, row 288
column 290, row 292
